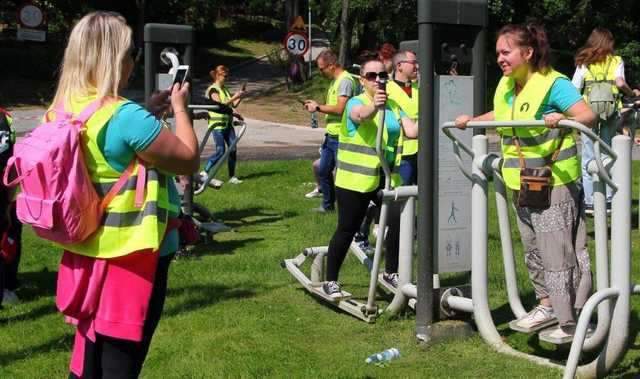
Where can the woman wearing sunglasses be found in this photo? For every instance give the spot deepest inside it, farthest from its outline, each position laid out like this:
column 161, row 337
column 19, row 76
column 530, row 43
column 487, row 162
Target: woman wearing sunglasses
column 359, row 175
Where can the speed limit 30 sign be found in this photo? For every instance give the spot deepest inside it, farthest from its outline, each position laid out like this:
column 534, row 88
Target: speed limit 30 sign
column 296, row 43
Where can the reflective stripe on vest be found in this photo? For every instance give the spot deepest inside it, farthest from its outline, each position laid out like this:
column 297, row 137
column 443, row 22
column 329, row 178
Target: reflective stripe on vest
column 409, row 105
column 358, row 165
column 125, row 228
column 218, row 120
column 537, row 144
column 604, row 70
column 333, row 122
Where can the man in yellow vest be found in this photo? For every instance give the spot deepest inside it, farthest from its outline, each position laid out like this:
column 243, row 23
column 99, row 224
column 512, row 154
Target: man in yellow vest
column 403, row 89
column 341, row 89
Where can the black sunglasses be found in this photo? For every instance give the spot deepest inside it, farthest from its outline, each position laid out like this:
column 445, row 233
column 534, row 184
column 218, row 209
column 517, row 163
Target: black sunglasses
column 383, row 75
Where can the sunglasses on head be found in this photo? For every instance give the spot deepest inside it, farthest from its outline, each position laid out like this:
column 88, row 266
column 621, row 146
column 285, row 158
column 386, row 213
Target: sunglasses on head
column 383, row 75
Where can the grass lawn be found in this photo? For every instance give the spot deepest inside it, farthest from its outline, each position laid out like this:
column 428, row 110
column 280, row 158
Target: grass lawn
column 281, row 105
column 236, row 313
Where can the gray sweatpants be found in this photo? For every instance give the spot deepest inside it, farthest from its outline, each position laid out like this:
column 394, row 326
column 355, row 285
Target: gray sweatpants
column 555, row 250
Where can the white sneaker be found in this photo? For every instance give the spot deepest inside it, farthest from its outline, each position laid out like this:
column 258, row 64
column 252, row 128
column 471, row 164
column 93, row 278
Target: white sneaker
column 332, row 289
column 562, row 333
column 315, row 193
column 235, row 180
column 9, row 297
column 538, row 315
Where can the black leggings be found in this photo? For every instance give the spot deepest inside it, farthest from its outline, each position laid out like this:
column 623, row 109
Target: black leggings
column 352, row 207
column 110, row 357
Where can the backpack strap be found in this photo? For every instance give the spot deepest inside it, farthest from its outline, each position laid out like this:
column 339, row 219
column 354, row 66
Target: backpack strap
column 140, row 184
column 89, row 110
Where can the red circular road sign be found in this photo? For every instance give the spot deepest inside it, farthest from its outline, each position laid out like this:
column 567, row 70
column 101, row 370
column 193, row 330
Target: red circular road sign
column 31, row 16
column 296, row 43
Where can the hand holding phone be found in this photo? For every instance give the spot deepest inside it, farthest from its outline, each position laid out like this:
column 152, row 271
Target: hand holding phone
column 180, row 75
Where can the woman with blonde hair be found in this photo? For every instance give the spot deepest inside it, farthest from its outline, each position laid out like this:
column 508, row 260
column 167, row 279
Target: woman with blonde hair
column 597, row 62
column 113, row 284
column 223, row 132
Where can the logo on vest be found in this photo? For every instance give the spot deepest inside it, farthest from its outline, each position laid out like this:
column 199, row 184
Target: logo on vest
column 524, row 107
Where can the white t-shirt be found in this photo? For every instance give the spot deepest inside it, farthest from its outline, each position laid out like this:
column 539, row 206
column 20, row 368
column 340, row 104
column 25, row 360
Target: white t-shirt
column 578, row 76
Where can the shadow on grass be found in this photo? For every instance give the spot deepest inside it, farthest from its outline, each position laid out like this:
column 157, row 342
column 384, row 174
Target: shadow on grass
column 255, row 175
column 251, row 216
column 36, row 284
column 63, row 343
column 224, row 247
column 201, row 296
column 31, row 315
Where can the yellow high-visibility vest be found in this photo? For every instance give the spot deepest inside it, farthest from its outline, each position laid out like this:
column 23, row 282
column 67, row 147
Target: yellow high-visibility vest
column 358, row 166
column 537, row 144
column 125, row 228
column 410, row 106
column 333, row 122
column 218, row 120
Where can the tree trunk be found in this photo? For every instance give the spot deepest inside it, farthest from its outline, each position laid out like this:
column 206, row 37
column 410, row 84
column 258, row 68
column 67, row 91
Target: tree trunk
column 345, row 34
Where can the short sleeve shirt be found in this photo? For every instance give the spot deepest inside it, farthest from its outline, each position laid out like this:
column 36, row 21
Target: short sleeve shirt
column 132, row 129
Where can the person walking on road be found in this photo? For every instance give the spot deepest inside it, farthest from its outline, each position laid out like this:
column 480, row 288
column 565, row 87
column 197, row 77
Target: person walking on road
column 553, row 228
column 341, row 89
column 224, row 134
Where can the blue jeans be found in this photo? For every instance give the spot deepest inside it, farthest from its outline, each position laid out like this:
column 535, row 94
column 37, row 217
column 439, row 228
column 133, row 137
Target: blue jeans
column 587, row 155
column 328, row 159
column 408, row 169
column 220, row 138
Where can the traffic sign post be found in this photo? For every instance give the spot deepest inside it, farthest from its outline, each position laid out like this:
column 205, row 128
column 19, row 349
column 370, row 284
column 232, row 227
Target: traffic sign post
column 32, row 23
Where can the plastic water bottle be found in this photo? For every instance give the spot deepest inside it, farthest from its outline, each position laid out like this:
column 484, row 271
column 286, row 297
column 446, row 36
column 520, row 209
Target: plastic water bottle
column 314, row 120
column 383, row 356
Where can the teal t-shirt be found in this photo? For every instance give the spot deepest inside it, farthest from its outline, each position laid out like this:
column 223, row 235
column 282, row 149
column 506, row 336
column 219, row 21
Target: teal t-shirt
column 390, row 122
column 562, row 96
column 132, row 129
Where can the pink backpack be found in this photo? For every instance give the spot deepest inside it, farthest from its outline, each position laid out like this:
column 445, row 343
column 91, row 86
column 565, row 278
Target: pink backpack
column 57, row 196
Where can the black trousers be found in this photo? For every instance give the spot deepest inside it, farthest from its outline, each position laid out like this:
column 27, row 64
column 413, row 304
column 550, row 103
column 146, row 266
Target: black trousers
column 113, row 358
column 352, row 207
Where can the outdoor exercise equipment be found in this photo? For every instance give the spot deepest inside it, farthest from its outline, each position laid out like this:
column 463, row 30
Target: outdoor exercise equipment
column 173, row 44
column 449, row 31
column 612, row 298
column 369, row 311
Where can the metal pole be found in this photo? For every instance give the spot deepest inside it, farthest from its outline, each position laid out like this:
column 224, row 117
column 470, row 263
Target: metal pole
column 427, row 133
column 479, row 71
column 310, row 42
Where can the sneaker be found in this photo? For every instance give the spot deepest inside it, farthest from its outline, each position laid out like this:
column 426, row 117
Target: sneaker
column 538, row 315
column 315, row 193
column 322, row 210
column 234, row 180
column 392, row 279
column 561, row 333
column 366, row 247
column 332, row 289
column 9, row 297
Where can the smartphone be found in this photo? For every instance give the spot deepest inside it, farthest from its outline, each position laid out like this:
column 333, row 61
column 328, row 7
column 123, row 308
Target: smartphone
column 244, row 86
column 180, row 75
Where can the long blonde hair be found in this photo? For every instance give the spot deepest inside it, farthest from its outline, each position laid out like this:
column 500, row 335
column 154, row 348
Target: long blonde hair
column 94, row 56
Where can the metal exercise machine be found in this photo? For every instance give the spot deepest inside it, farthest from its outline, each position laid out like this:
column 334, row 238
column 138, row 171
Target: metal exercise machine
column 369, row 311
column 614, row 288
